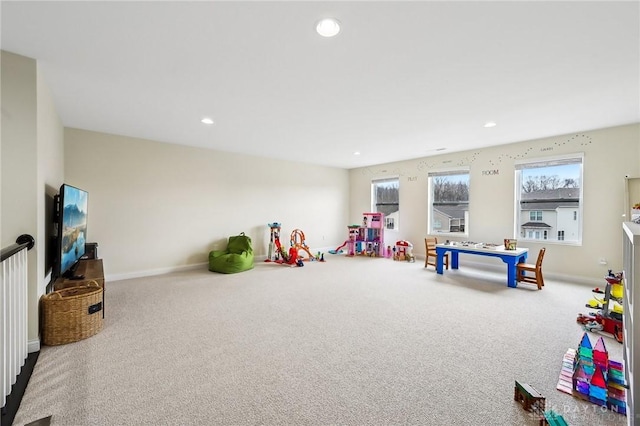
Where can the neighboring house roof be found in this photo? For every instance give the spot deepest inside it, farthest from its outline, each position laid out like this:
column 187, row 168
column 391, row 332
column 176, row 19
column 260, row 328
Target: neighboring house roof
column 550, row 199
column 540, row 225
column 453, row 212
column 552, row 194
column 548, row 205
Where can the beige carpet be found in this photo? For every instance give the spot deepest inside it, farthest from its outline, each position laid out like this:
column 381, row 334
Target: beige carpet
column 352, row 341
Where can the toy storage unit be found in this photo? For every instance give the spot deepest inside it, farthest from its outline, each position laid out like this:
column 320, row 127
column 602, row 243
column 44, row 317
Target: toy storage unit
column 631, row 304
column 370, row 238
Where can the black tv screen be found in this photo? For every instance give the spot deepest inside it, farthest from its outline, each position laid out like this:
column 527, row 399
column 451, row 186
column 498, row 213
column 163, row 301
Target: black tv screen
column 72, row 229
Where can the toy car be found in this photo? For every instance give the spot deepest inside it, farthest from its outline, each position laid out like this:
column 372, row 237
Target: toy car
column 596, row 322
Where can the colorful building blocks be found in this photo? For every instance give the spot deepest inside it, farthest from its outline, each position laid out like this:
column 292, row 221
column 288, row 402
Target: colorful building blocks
column 534, row 402
column 552, row 418
column 529, row 397
column 588, row 373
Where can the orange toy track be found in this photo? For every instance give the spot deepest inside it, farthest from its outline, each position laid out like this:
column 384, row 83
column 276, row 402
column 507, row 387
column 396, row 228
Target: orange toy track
column 298, row 243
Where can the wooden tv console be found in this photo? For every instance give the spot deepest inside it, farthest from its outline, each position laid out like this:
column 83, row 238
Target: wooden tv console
column 92, row 270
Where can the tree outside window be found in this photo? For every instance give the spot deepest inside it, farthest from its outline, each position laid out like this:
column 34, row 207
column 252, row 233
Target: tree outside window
column 385, row 198
column 449, row 202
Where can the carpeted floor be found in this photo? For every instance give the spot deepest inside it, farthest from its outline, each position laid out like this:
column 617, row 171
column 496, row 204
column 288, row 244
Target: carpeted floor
column 352, row 341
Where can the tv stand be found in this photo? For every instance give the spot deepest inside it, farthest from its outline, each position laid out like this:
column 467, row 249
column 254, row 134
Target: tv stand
column 87, row 270
column 71, row 273
column 77, row 277
column 73, row 277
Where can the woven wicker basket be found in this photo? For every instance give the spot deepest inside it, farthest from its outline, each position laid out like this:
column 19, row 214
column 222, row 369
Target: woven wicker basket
column 71, row 314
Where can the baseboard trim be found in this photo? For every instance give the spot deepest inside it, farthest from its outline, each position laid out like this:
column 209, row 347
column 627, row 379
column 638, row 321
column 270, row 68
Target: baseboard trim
column 261, row 258
column 14, row 399
column 33, row 346
column 557, row 277
column 205, row 266
column 152, row 272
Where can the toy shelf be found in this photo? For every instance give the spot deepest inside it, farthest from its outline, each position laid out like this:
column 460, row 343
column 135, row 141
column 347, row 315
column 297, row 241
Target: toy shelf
column 631, row 302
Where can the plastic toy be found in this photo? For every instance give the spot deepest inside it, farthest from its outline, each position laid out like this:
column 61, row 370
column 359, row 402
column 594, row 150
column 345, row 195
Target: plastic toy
column 280, row 255
column 275, row 248
column 608, row 318
column 298, row 242
column 403, row 251
column 531, row 399
column 552, row 418
column 291, row 258
column 350, row 243
column 366, row 239
column 534, row 402
column 589, row 374
column 371, row 235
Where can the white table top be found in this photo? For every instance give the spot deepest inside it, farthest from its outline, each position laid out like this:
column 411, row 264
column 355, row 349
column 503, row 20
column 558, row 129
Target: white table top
column 498, row 250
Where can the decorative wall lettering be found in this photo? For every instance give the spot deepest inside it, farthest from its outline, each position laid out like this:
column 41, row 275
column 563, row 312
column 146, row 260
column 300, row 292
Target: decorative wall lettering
column 468, row 160
column 490, row 172
column 423, row 166
column 369, row 171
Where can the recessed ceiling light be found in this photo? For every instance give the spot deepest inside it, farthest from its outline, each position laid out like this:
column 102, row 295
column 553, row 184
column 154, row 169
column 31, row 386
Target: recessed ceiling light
column 328, row 27
column 356, row 153
column 207, row 120
column 490, row 124
column 441, row 149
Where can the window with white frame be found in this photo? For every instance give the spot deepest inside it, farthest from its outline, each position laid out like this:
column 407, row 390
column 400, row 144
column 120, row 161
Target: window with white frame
column 449, row 202
column 549, row 199
column 385, row 198
column 535, row 215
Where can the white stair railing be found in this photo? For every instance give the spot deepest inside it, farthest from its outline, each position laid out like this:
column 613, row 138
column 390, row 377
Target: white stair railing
column 13, row 314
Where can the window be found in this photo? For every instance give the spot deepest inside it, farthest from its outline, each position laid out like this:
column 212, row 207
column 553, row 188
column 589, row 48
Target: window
column 535, row 215
column 385, row 198
column 552, row 186
column 449, row 202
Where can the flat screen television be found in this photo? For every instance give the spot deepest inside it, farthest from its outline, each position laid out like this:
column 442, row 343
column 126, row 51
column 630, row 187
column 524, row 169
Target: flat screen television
column 72, row 230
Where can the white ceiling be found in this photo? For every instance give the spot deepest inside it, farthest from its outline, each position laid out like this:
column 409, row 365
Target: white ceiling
column 401, row 80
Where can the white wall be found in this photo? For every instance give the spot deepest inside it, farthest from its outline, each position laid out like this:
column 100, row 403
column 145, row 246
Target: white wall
column 609, row 155
column 155, row 207
column 50, row 175
column 19, row 139
column 32, row 144
column 19, row 165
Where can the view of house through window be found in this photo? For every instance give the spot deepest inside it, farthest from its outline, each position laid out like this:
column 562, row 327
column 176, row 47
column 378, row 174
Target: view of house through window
column 549, row 204
column 385, row 198
column 449, row 202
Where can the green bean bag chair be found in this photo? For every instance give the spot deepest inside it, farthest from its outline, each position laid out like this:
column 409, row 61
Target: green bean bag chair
column 237, row 257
